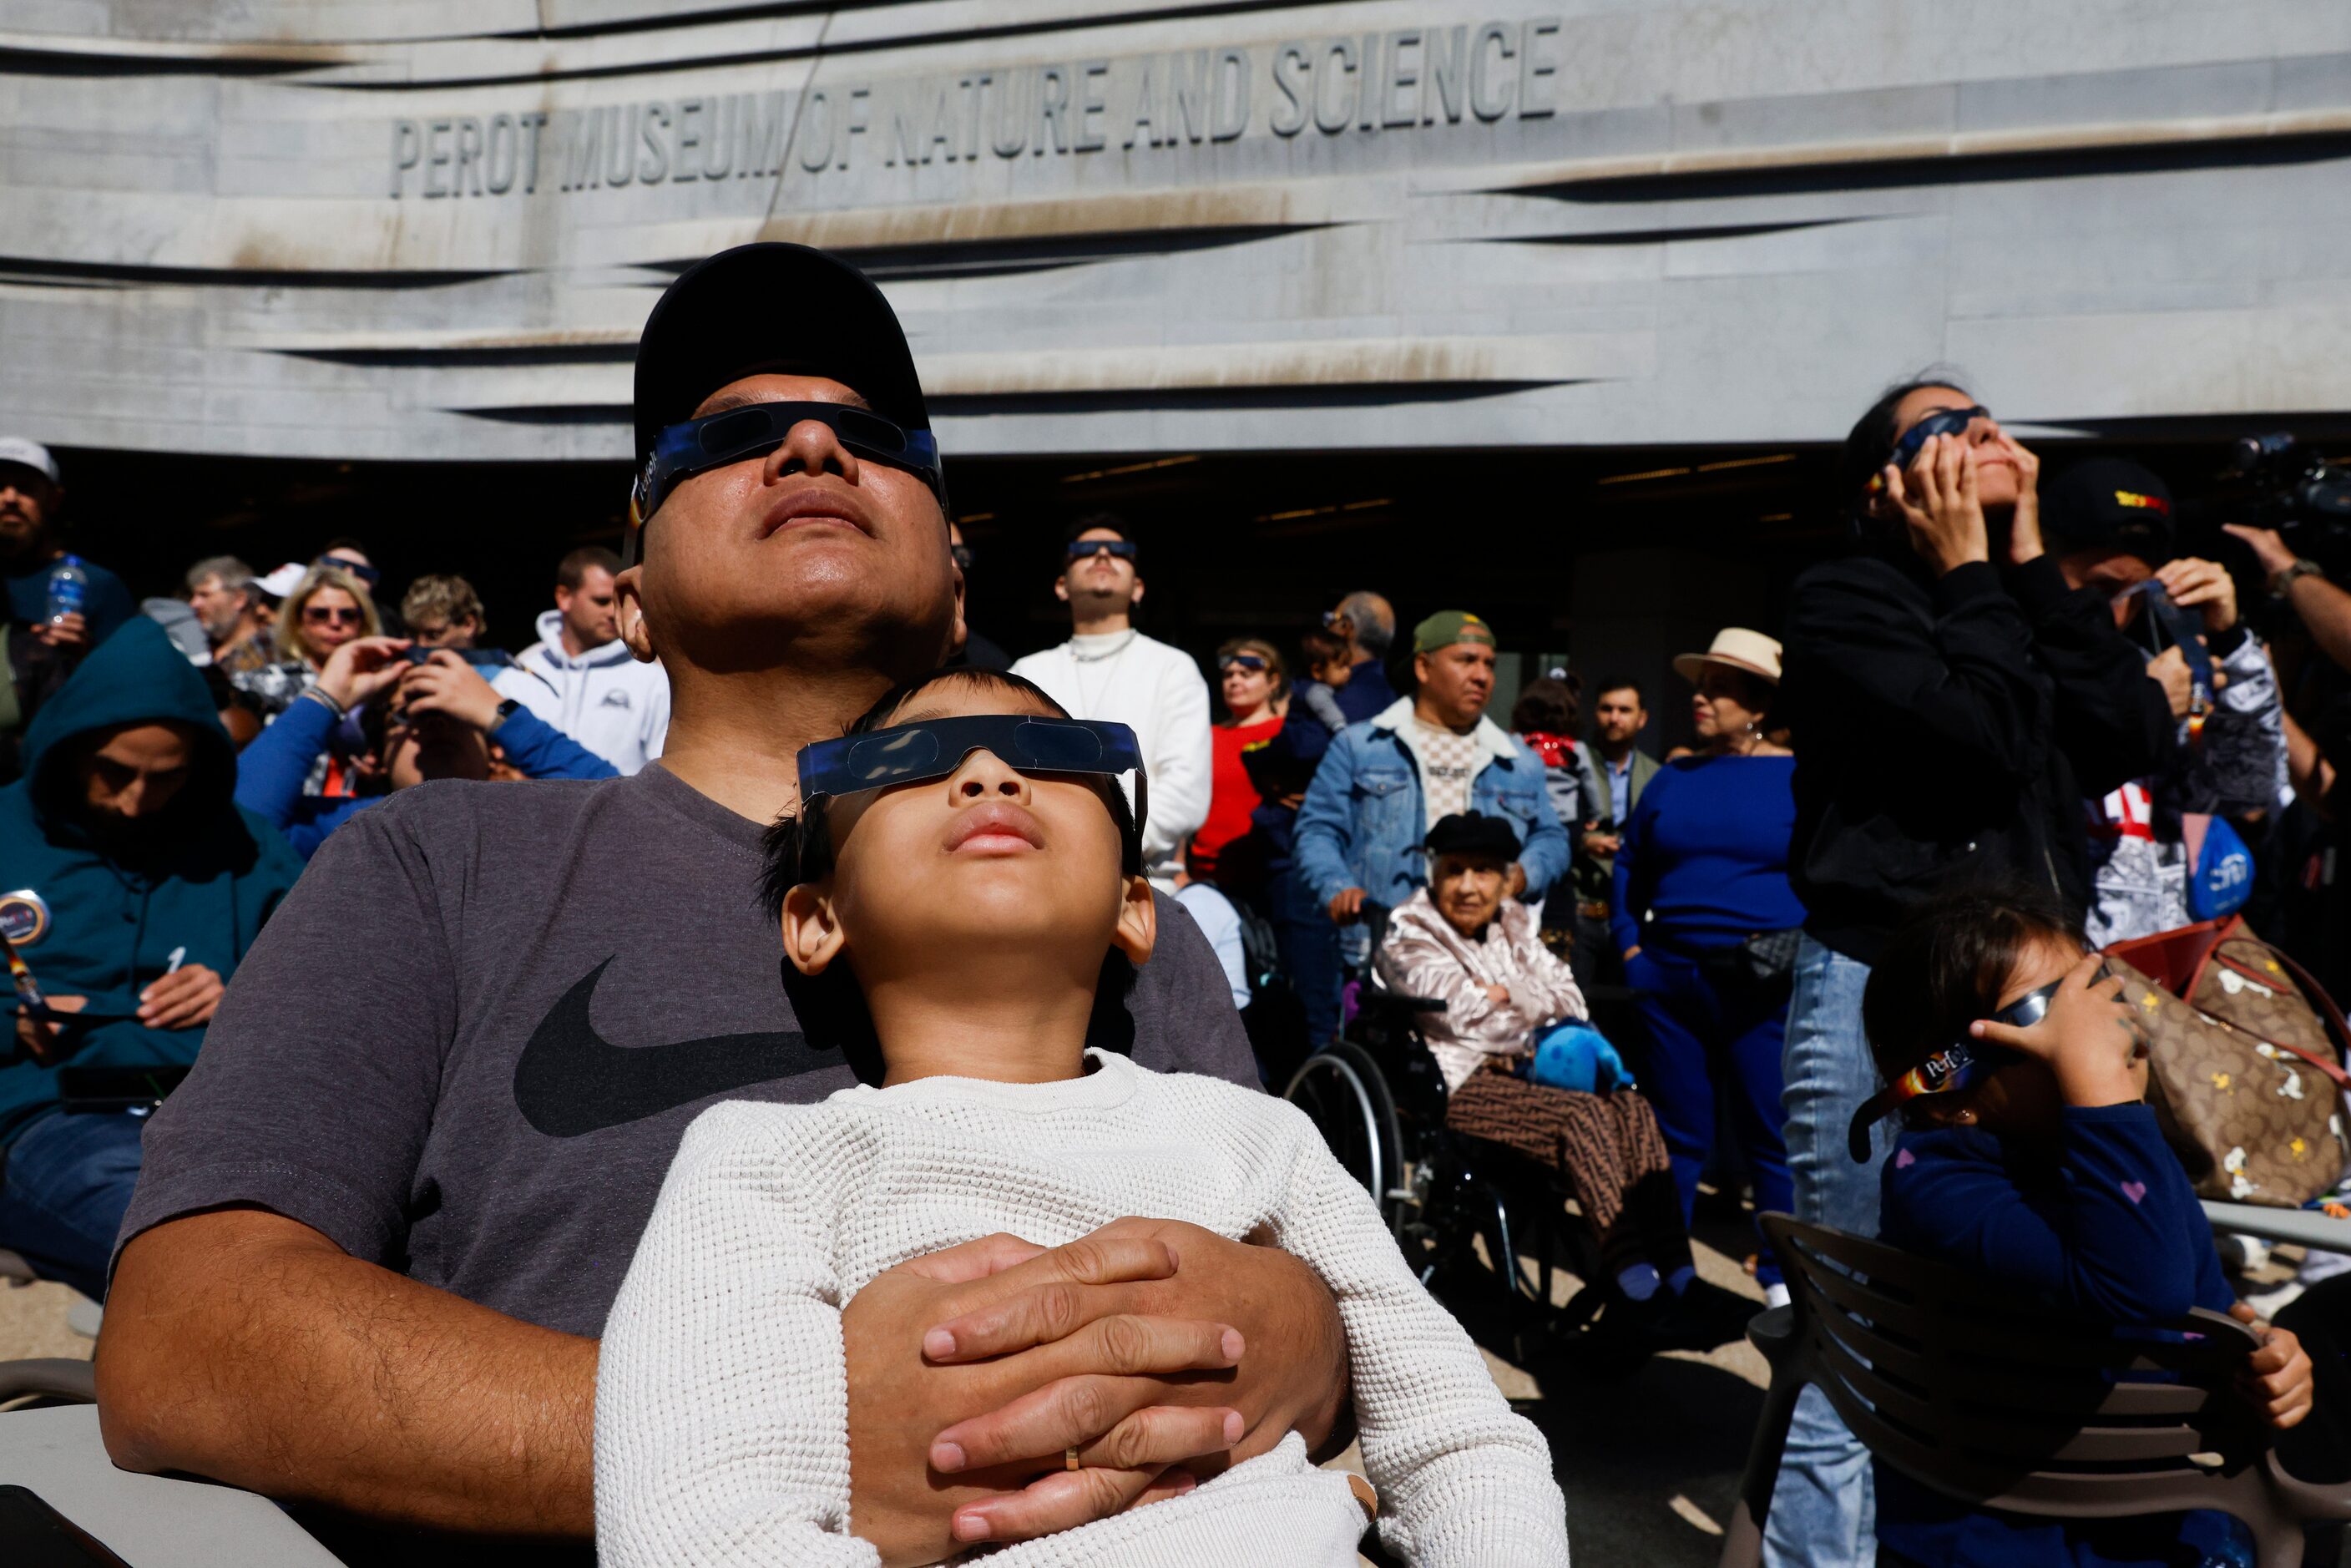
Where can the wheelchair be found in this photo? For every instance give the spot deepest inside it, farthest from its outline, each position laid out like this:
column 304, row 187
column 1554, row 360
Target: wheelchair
column 1377, row 1096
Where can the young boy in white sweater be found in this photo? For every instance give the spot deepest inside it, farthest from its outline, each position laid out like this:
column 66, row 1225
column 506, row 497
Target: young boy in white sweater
column 966, row 855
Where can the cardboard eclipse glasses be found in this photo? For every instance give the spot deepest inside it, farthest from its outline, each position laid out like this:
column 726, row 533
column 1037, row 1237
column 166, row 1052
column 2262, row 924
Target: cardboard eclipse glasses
column 1958, row 1066
column 932, row 748
column 733, row 434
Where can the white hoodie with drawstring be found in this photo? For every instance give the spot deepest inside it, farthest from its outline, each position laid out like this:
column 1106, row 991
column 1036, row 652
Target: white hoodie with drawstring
column 604, row 699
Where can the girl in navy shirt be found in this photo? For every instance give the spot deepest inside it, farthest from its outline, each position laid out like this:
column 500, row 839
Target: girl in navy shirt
column 2029, row 1157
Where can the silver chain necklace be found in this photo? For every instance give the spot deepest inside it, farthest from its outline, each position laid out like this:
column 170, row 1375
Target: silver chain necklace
column 1107, row 652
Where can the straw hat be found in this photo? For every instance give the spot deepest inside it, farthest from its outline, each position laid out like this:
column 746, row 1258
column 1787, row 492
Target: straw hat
column 1739, row 649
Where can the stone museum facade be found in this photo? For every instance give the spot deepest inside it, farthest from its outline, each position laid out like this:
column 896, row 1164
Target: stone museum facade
column 427, row 230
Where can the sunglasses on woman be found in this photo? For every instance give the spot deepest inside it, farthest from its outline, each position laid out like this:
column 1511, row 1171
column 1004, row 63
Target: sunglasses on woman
column 1241, row 662
column 738, row 434
column 324, row 615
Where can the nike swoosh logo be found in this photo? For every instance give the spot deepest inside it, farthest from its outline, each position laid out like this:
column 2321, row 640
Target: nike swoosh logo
column 569, row 1080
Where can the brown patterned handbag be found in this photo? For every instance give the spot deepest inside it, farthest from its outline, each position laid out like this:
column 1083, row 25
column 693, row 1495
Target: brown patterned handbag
column 2244, row 1075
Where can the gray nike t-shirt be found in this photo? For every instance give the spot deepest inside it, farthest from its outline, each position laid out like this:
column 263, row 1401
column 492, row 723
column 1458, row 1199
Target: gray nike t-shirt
column 468, row 1044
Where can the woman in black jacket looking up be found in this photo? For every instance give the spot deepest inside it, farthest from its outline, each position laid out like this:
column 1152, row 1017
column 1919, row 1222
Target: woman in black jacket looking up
column 1954, row 701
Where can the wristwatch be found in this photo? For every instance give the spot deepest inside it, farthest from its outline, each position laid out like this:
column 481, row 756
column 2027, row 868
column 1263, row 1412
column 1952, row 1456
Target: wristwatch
column 2282, row 579
column 506, row 710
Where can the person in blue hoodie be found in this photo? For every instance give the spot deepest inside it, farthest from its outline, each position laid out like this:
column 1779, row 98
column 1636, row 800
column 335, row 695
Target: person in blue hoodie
column 400, row 723
column 138, row 885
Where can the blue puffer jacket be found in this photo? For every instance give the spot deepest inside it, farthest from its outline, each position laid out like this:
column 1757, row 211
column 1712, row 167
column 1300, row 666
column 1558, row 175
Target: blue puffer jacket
column 1364, row 818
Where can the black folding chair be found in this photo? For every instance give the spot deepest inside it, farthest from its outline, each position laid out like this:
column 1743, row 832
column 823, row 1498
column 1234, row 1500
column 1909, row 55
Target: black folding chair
column 1970, row 1389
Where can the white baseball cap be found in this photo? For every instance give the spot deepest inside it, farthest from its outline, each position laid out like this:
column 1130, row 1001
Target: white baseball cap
column 29, row 455
column 284, row 580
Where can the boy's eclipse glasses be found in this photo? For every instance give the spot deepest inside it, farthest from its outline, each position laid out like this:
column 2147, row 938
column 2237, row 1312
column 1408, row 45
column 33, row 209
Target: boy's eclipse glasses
column 1958, row 1066
column 735, row 435
column 932, row 748
column 1086, row 550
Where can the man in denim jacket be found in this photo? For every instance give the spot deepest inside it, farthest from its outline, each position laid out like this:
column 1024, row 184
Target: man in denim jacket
column 1384, row 780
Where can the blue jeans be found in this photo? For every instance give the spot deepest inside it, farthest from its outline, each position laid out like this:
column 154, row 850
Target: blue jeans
column 1308, row 946
column 1695, row 1033
column 64, row 1191
column 1823, row 1510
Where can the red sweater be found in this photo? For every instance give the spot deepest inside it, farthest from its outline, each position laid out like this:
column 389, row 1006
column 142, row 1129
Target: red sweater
column 1231, row 795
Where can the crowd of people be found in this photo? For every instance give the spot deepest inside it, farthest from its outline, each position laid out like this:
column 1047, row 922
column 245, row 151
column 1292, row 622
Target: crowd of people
column 1044, row 921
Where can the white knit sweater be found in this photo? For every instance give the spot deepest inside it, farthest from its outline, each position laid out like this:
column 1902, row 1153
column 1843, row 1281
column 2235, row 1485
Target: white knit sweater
column 1156, row 691
column 722, row 1405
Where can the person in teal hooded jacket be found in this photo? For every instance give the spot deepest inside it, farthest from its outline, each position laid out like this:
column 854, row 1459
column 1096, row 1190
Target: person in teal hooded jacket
column 136, row 885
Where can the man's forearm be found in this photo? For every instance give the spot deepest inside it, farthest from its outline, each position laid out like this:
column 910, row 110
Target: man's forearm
column 245, row 1347
column 2325, row 610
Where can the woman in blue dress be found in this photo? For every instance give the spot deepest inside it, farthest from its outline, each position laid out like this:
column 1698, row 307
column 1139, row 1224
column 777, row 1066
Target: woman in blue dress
column 1706, row 920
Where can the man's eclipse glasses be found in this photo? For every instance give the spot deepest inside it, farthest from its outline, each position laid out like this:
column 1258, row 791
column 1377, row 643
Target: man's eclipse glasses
column 932, row 748
column 736, row 435
column 1958, row 1066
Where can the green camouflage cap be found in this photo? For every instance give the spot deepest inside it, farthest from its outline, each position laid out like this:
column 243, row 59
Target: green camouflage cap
column 1448, row 627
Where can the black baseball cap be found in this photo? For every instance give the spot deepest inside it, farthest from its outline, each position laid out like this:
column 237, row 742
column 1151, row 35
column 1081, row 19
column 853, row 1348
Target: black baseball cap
column 2110, row 503
column 1473, row 833
column 771, row 308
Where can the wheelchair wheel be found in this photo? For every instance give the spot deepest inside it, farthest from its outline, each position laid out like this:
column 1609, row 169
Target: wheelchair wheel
column 1344, row 1095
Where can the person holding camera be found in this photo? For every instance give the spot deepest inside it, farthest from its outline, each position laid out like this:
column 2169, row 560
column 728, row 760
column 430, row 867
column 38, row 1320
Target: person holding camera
column 1957, row 701
column 437, row 718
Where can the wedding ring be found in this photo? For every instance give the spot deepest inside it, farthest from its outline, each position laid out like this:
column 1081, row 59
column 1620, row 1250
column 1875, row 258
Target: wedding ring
column 1070, row 1459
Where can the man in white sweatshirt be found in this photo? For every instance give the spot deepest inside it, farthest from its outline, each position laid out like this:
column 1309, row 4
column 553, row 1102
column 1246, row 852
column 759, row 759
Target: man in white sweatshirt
column 1108, row 670
column 581, row 678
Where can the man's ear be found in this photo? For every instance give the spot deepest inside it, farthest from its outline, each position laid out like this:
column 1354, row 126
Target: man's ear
column 812, row 934
column 1138, row 921
column 628, row 609
column 962, row 632
column 1136, row 597
column 1420, row 669
column 1062, row 588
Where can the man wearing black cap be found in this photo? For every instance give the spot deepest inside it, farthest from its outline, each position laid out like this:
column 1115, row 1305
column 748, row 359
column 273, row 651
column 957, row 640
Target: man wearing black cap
column 2108, row 521
column 381, row 1224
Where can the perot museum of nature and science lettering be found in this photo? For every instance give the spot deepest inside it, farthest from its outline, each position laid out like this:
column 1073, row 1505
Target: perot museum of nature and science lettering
column 1591, row 286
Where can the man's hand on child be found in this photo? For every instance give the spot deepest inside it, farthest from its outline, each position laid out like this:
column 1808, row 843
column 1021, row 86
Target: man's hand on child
column 2089, row 1038
column 1033, row 1363
column 2278, row 1379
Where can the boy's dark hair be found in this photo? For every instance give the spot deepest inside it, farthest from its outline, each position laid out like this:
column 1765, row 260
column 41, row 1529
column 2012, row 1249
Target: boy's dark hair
column 1871, row 441
column 799, row 849
column 1547, row 705
column 1947, row 965
column 1320, row 646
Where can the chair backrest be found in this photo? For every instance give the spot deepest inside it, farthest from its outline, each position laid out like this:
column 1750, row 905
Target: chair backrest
column 1974, row 1390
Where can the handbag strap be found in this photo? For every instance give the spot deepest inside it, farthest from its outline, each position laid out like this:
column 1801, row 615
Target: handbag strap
column 2321, row 1003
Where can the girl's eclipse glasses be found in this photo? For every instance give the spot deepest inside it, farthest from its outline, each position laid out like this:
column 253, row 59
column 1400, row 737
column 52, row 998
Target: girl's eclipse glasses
column 1958, row 1066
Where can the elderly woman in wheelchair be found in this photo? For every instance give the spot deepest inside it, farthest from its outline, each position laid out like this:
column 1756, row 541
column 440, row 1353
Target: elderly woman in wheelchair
column 1522, row 1068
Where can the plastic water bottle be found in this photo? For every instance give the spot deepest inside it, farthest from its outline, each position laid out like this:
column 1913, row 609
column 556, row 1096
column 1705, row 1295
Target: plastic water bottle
column 68, row 588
